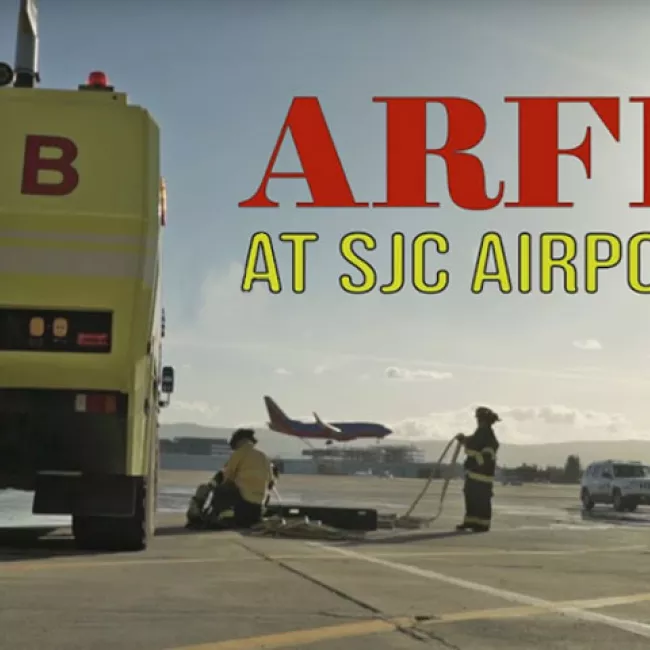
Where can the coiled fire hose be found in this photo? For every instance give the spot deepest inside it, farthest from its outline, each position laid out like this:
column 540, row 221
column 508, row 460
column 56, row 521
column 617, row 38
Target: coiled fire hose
column 302, row 527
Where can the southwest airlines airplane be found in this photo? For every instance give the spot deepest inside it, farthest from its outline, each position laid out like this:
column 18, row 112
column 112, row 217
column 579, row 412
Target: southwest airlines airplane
column 319, row 430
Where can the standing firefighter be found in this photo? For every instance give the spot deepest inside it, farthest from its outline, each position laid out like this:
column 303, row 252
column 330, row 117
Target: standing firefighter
column 480, row 466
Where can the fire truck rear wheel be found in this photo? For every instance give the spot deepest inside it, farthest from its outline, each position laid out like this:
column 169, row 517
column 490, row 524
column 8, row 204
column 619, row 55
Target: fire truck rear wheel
column 117, row 533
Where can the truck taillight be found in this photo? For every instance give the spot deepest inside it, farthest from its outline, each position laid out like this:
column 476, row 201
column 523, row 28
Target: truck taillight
column 96, row 403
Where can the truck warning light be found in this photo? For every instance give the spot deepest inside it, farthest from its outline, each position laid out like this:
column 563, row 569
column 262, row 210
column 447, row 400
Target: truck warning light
column 36, row 327
column 97, row 80
column 60, row 328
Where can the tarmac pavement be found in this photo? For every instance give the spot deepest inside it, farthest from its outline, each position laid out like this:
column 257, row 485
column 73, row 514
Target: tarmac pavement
column 544, row 577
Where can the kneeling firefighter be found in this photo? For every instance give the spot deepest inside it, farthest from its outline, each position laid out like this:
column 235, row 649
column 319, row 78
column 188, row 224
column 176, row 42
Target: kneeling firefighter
column 241, row 486
column 480, row 466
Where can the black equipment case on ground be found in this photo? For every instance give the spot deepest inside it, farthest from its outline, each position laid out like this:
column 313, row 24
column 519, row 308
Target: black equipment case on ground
column 359, row 519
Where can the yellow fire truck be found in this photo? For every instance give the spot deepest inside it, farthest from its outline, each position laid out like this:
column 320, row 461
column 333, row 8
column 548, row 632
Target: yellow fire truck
column 82, row 208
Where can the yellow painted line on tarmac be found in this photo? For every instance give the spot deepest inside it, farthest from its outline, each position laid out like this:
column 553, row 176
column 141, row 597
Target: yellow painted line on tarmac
column 35, row 565
column 526, row 611
column 638, row 628
column 299, row 638
column 70, row 562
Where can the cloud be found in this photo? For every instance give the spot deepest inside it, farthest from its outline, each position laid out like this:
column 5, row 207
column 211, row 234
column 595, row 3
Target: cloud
column 557, row 414
column 334, row 362
column 345, row 357
column 520, row 424
column 193, row 410
column 225, row 310
column 588, row 344
column 597, row 69
column 403, row 374
column 585, row 369
column 282, row 371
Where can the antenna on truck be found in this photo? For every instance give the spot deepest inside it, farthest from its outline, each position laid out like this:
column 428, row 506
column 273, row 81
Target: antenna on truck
column 25, row 71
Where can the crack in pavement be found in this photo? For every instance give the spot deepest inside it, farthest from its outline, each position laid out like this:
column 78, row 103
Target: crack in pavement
column 410, row 630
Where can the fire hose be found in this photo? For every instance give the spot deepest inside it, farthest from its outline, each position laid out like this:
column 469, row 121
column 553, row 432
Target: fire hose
column 302, row 527
column 407, row 519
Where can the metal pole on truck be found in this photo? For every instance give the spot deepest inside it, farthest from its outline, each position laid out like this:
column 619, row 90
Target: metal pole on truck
column 25, row 73
column 26, row 60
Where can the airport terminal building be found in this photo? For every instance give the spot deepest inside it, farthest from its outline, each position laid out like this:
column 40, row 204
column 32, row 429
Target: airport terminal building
column 210, row 454
column 193, row 453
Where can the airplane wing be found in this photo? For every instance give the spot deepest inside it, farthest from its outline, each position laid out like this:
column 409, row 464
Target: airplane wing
column 326, row 426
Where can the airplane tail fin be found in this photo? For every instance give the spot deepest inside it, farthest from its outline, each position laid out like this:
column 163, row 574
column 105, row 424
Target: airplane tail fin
column 276, row 414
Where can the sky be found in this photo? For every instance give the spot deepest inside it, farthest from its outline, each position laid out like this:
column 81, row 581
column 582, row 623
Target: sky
column 219, row 77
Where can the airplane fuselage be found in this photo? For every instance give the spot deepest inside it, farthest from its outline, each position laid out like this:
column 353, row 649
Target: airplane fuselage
column 319, row 429
column 346, row 430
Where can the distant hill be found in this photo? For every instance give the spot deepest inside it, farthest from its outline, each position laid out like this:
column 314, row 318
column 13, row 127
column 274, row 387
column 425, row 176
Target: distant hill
column 509, row 455
column 556, row 453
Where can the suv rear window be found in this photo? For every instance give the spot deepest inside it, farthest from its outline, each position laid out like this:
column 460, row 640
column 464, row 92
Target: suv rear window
column 631, row 471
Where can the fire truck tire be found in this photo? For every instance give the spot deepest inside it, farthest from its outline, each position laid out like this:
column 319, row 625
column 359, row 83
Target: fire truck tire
column 117, row 533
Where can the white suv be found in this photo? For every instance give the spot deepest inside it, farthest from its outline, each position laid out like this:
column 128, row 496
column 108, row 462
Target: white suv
column 624, row 484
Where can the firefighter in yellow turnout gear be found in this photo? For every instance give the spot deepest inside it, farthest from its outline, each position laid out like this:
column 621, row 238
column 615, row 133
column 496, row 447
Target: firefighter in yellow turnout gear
column 480, row 466
column 240, row 487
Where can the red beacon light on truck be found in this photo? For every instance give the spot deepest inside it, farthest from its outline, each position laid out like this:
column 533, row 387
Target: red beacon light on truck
column 97, row 80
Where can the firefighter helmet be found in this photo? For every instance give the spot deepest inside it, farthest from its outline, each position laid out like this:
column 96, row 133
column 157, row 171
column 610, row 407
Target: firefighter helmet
column 487, row 415
column 242, row 434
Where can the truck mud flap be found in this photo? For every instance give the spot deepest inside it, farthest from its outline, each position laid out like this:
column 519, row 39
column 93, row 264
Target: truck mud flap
column 103, row 495
column 359, row 519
